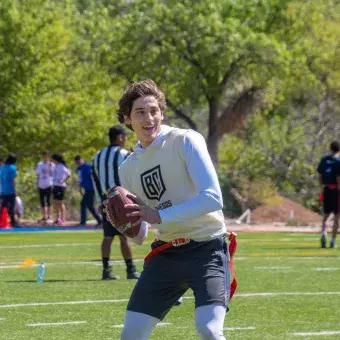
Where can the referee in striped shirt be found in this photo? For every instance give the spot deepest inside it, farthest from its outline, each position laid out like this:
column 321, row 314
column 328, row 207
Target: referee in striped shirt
column 105, row 166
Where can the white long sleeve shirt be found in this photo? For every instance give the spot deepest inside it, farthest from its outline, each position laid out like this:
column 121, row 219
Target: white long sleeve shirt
column 175, row 175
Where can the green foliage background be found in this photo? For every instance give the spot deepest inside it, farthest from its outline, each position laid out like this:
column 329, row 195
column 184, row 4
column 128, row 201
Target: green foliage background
column 260, row 79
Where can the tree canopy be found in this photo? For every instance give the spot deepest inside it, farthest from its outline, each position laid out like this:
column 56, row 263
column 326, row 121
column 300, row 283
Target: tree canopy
column 259, row 79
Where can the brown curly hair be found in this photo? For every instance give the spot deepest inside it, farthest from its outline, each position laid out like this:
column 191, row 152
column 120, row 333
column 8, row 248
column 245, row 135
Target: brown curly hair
column 141, row 89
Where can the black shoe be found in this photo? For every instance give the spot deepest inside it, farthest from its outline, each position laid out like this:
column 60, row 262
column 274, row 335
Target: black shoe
column 323, row 241
column 133, row 276
column 108, row 275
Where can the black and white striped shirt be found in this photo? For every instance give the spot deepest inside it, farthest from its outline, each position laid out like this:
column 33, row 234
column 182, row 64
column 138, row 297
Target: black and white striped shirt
column 105, row 166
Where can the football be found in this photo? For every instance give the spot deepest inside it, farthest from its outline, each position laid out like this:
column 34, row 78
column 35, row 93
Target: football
column 116, row 213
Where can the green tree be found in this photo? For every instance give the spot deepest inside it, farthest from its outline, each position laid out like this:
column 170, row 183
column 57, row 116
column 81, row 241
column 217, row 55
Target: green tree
column 50, row 97
column 217, row 61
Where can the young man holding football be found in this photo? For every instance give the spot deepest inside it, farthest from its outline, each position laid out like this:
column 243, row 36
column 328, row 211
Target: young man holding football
column 177, row 191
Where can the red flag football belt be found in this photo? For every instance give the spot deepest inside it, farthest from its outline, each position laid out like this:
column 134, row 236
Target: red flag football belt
column 329, row 186
column 181, row 241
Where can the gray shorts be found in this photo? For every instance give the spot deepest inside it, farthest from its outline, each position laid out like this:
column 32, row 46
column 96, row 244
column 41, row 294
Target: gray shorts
column 201, row 266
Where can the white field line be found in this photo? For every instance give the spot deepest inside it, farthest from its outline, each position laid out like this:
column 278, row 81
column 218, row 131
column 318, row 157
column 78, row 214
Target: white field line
column 326, row 269
column 285, row 239
column 164, row 324
column 270, row 268
column 160, row 324
column 34, row 304
column 238, row 328
column 286, row 294
column 49, row 245
column 298, row 258
column 56, row 323
column 2, row 319
column 316, row 333
column 77, row 263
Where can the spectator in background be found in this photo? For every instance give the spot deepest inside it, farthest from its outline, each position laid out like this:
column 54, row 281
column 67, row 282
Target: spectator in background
column 60, row 174
column 105, row 175
column 8, row 175
column 45, row 181
column 86, row 191
column 329, row 179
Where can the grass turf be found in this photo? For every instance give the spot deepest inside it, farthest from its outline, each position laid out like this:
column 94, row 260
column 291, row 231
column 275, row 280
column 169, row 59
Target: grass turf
column 265, row 263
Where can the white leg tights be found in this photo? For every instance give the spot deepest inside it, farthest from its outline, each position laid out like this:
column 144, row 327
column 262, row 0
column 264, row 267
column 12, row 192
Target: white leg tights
column 138, row 326
column 209, row 322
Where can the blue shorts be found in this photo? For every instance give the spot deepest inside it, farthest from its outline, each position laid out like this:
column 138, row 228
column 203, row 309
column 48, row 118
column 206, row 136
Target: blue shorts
column 201, row 266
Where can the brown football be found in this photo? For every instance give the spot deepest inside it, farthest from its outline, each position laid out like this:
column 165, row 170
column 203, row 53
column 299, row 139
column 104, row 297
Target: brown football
column 117, row 198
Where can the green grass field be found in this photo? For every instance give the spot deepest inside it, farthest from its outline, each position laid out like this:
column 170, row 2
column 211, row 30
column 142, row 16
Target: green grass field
column 287, row 287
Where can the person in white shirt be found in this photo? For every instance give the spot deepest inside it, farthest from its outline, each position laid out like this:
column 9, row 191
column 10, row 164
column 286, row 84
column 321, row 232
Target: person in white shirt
column 60, row 175
column 176, row 187
column 44, row 172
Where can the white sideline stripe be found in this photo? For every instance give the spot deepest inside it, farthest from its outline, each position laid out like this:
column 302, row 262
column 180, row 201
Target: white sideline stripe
column 2, row 319
column 159, row 324
column 273, row 267
column 49, row 245
column 325, row 269
column 238, row 328
column 297, row 257
column 316, row 333
column 33, row 304
column 49, row 264
column 56, row 323
column 285, row 293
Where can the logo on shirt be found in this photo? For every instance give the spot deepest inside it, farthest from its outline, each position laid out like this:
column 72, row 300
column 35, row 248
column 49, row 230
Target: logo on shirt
column 153, row 184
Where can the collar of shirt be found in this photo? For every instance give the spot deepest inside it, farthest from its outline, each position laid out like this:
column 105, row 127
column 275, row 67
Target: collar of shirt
column 165, row 129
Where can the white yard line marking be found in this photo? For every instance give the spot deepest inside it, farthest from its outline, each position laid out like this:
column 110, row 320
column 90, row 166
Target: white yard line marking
column 316, row 333
column 286, row 294
column 159, row 325
column 238, row 328
column 325, row 269
column 34, row 304
column 49, row 245
column 56, row 323
column 2, row 319
column 49, row 264
column 299, row 258
column 272, row 268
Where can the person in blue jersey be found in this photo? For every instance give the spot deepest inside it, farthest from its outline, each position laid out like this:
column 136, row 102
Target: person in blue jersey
column 86, row 190
column 8, row 190
column 329, row 179
column 173, row 179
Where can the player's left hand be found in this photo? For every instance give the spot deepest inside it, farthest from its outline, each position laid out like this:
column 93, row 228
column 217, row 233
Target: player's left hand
column 142, row 210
